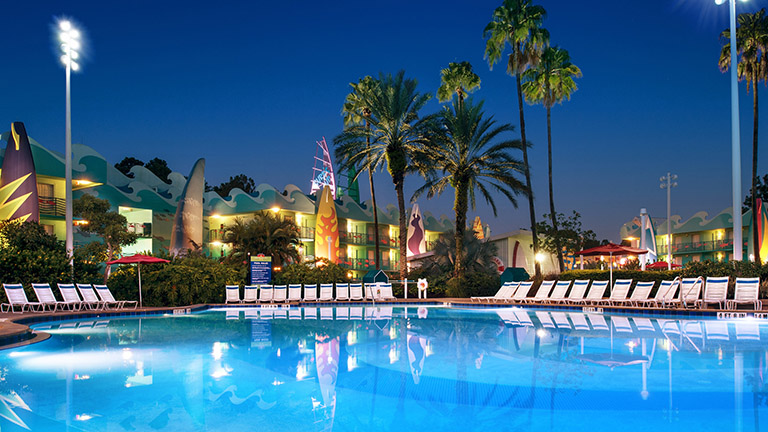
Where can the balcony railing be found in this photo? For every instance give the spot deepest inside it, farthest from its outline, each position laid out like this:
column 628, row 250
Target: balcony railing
column 366, row 264
column 144, row 230
column 306, row 232
column 51, row 206
column 215, row 235
column 696, row 247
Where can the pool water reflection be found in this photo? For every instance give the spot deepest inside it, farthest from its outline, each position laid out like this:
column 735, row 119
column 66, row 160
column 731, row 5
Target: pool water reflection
column 387, row 368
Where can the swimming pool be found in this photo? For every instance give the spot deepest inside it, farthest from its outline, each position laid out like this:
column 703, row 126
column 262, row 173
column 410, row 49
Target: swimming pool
column 389, row 368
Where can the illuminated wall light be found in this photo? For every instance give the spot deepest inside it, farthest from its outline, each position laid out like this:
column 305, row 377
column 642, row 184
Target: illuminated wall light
column 298, row 218
column 216, row 216
column 275, row 209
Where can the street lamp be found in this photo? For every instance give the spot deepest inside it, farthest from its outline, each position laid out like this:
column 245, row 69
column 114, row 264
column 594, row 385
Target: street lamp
column 735, row 136
column 668, row 184
column 69, row 37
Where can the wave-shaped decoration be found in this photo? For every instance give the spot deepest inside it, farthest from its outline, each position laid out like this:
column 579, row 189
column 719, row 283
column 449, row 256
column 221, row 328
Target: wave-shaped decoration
column 264, row 198
column 431, row 223
column 697, row 222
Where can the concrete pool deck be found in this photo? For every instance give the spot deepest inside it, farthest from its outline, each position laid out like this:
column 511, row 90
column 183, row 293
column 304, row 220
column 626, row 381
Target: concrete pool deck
column 14, row 329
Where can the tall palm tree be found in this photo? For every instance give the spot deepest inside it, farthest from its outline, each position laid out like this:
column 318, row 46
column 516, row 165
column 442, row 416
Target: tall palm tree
column 518, row 23
column 459, row 79
column 267, row 234
column 751, row 44
column 550, row 82
column 356, row 112
column 395, row 131
column 460, row 152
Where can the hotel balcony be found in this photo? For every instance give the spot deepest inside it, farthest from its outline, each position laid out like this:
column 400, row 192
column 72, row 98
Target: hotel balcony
column 724, row 245
column 51, row 206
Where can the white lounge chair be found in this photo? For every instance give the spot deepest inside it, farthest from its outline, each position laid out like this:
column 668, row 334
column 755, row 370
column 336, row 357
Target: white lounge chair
column 90, row 298
column 266, row 294
column 371, row 291
column 342, row 291
column 747, row 292
column 558, row 294
column 356, row 291
column 666, row 291
column 385, row 291
column 45, row 297
column 690, row 289
column 310, row 292
column 522, row 292
column 499, row 294
column 715, row 292
column 578, row 290
column 250, row 294
column 106, row 296
column 280, row 293
column 69, row 294
column 542, row 293
column 326, row 292
column 619, row 292
column 640, row 293
column 233, row 294
column 595, row 294
column 17, row 298
column 294, row 292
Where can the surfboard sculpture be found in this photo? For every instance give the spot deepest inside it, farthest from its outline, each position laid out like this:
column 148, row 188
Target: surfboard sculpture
column 187, row 230
column 18, row 182
column 327, row 228
column 417, row 241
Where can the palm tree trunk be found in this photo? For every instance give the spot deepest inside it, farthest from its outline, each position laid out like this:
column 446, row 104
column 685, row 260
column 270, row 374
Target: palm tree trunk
column 535, row 237
column 460, row 208
column 375, row 209
column 552, row 214
column 755, row 211
column 403, row 236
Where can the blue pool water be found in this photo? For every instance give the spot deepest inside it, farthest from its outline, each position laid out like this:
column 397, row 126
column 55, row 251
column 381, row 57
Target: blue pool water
column 389, row 369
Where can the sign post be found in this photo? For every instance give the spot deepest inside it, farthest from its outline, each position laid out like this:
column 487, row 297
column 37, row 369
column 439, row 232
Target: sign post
column 261, row 269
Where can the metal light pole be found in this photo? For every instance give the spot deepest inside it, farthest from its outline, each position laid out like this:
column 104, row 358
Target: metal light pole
column 735, row 137
column 668, row 184
column 69, row 37
column 643, row 241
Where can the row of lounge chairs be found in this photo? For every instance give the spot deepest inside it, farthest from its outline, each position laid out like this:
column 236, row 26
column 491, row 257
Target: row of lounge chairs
column 325, row 313
column 94, row 297
column 631, row 327
column 678, row 292
column 293, row 292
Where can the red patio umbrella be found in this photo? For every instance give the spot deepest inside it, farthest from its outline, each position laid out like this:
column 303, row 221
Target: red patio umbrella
column 611, row 249
column 661, row 265
column 138, row 259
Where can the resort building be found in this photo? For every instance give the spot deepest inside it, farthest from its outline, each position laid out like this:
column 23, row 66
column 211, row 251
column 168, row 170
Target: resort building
column 697, row 238
column 150, row 205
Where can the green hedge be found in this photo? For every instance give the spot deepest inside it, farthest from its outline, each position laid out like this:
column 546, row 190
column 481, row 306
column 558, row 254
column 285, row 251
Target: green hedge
column 184, row 281
column 302, row 273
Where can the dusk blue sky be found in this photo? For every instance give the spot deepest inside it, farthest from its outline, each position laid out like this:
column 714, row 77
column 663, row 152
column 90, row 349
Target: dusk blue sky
column 250, row 86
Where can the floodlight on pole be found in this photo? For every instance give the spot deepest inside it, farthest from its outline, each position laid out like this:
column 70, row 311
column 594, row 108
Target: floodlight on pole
column 668, row 184
column 69, row 37
column 738, row 243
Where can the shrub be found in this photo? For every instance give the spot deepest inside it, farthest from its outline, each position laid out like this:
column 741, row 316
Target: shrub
column 30, row 255
column 186, row 280
column 322, row 272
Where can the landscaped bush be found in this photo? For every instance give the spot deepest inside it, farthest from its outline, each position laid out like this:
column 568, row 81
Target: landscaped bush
column 184, row 281
column 322, row 272
column 30, row 255
column 442, row 285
